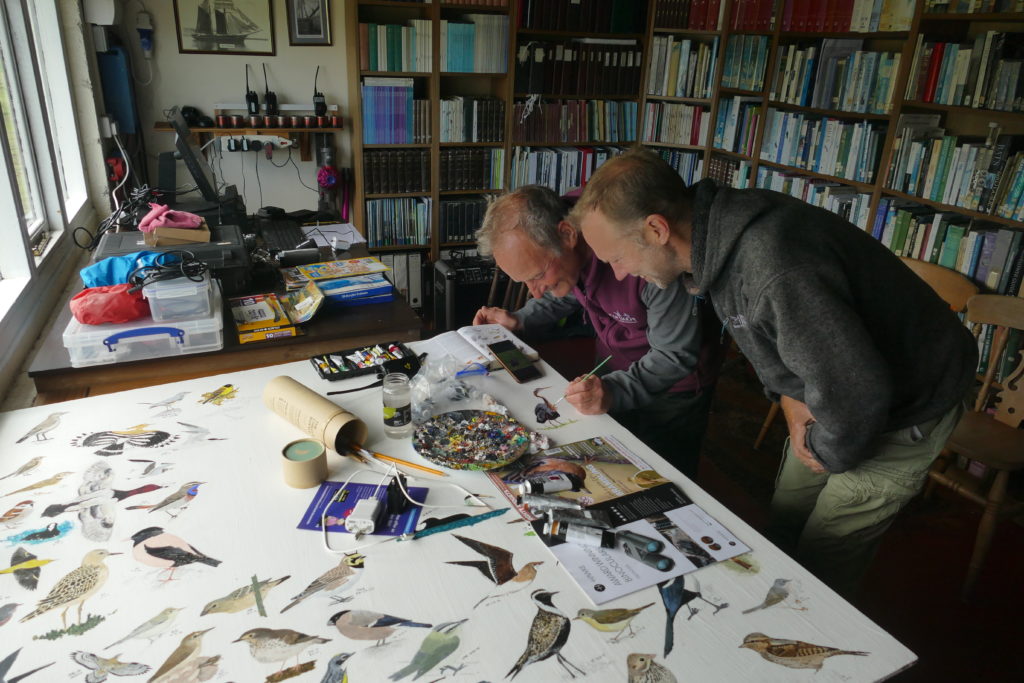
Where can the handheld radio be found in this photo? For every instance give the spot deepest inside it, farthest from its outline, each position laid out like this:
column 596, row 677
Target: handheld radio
column 252, row 100
column 269, row 98
column 319, row 102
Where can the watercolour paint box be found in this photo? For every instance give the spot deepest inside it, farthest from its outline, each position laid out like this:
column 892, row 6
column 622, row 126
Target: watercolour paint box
column 358, row 361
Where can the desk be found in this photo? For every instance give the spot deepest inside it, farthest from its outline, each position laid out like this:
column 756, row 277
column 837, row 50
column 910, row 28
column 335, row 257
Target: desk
column 245, row 518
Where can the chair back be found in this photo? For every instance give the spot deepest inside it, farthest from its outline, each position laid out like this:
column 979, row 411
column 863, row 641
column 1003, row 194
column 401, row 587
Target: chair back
column 1003, row 313
column 505, row 293
column 954, row 288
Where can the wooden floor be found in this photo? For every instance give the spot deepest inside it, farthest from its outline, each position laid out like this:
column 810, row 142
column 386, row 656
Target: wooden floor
column 913, row 588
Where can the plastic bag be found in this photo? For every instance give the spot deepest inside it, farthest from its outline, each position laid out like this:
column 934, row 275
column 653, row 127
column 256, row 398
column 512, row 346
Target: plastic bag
column 110, row 304
column 441, row 385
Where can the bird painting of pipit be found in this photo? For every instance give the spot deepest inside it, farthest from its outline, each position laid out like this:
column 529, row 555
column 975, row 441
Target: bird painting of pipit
column 100, row 667
column 41, row 484
column 51, row 422
column 615, row 620
column 241, row 598
column 549, row 632
column 113, row 442
column 346, row 573
column 76, row 587
column 271, row 645
column 25, row 568
column 796, row 654
column 497, row 567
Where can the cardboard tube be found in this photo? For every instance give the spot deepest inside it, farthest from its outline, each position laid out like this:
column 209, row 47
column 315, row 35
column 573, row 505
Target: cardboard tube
column 304, row 463
column 315, row 415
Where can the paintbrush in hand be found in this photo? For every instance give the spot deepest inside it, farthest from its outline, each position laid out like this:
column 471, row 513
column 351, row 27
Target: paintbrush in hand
column 585, row 377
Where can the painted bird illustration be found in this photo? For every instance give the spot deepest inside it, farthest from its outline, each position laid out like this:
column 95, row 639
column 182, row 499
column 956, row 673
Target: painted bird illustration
column 167, row 404
column 51, row 530
column 96, row 498
column 51, row 422
column 17, row 514
column 796, row 654
column 346, row 572
column 157, row 548
column 152, row 468
column 441, row 642
column 42, row 484
column 675, row 594
column 178, row 500
column 194, row 433
column 153, row 628
column 608, row 620
column 7, row 662
column 75, row 587
column 643, row 669
column 113, row 442
column 776, row 594
column 269, row 645
column 218, row 396
column 25, row 468
column 7, row 611
column 183, row 663
column 336, row 669
column 498, row 566
column 359, row 624
column 241, row 598
column 101, row 667
column 548, row 633
column 25, row 568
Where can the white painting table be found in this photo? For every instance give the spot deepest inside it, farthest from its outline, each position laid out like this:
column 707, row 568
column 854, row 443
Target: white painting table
column 96, row 471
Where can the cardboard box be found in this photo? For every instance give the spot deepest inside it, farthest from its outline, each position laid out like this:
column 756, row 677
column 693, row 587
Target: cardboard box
column 261, row 317
column 162, row 237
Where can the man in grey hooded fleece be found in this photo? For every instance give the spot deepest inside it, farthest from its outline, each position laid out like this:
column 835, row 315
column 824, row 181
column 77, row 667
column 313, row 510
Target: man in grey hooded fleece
column 869, row 365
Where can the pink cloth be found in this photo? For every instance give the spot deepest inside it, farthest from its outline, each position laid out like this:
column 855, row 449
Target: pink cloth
column 162, row 216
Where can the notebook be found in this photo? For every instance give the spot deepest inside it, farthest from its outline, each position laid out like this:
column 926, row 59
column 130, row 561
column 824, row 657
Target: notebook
column 469, row 344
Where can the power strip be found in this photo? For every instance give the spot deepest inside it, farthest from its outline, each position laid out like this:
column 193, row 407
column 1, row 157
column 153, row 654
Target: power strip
column 275, row 141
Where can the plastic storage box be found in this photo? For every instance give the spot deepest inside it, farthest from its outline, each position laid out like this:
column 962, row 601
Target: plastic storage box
column 144, row 338
column 180, row 298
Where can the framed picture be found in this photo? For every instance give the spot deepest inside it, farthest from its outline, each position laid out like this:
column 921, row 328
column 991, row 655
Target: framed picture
column 236, row 27
column 309, row 22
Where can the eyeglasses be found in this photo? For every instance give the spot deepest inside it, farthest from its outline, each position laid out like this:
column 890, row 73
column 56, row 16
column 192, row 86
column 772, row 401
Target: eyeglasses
column 542, row 273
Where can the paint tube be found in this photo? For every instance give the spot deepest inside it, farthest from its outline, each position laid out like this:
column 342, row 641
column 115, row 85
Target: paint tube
column 595, row 518
column 538, row 501
column 579, row 534
column 551, row 483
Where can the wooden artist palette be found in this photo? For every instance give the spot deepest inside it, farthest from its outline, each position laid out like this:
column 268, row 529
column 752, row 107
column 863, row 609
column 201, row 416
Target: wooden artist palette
column 471, row 440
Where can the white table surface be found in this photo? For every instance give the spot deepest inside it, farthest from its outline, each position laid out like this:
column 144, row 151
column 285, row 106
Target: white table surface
column 245, row 517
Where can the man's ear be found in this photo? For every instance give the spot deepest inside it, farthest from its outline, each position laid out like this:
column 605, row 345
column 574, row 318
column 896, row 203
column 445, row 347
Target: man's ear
column 657, row 230
column 568, row 234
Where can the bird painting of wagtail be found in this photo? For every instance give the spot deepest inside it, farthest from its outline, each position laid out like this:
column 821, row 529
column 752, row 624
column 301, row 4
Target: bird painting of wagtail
column 26, row 467
column 437, row 646
column 175, row 503
column 41, row 484
column 336, row 672
column 156, row 548
column 642, row 668
column 241, row 598
column 497, row 567
column 75, row 587
column 344, row 573
column 675, row 594
column 796, row 654
column 548, row 633
column 615, row 620
column 113, row 442
column 183, row 664
column 271, row 645
column 776, row 594
column 100, row 667
column 25, row 568
column 151, row 629
column 51, row 422
column 359, row 624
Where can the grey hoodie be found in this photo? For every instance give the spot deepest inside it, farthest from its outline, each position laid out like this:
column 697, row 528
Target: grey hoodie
column 828, row 316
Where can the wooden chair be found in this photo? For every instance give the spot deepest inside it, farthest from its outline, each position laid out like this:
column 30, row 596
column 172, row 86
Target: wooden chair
column 505, row 293
column 992, row 439
column 953, row 287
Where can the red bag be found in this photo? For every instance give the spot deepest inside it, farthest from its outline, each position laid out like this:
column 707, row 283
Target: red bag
column 109, row 304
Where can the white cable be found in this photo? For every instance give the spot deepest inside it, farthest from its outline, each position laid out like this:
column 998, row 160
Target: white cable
column 127, row 171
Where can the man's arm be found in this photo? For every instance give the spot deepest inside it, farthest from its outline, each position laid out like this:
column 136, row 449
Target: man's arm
column 673, row 333
column 538, row 315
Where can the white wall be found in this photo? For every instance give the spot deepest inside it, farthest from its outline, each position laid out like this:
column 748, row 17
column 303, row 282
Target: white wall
column 202, row 80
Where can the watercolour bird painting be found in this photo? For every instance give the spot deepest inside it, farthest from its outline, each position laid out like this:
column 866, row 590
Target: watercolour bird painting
column 113, row 442
column 41, row 430
column 796, row 654
column 241, row 598
column 75, row 587
column 25, row 568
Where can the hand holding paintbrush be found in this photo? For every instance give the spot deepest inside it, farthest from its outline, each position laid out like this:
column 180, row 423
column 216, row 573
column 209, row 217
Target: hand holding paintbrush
column 585, row 377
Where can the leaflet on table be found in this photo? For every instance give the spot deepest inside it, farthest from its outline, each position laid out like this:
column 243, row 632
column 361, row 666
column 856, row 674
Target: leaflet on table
column 297, row 276
column 338, row 510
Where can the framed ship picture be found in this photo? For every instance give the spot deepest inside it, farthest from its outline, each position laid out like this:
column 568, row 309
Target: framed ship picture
column 224, row 27
column 309, row 22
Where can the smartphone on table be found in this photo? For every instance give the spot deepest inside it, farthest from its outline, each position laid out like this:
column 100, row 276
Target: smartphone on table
column 515, row 361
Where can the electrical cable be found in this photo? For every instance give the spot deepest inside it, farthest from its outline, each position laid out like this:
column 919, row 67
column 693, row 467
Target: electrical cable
column 127, row 171
column 165, row 268
column 259, row 183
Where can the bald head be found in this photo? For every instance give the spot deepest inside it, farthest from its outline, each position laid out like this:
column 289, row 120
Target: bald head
column 532, row 209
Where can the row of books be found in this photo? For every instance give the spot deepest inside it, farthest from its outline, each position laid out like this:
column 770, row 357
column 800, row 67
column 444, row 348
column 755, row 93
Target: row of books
column 560, row 168
column 682, row 68
column 836, row 75
column 984, row 176
column 394, row 47
column 390, row 171
column 460, row 218
column 477, row 44
column 856, row 16
column 840, row 199
column 591, row 67
column 406, row 274
column 556, row 121
column 730, row 172
column 689, row 165
column 583, row 16
column 753, row 15
column 472, row 119
column 745, row 58
column 398, row 221
column 826, row 145
column 696, row 15
column 390, row 114
column 983, row 74
column 678, row 124
column 469, row 168
column 972, row 6
column 736, row 124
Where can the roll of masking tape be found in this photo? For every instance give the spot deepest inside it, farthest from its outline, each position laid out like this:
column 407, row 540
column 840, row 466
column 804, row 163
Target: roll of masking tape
column 304, row 463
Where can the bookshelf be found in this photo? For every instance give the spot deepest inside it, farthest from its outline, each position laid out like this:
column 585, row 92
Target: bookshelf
column 606, row 81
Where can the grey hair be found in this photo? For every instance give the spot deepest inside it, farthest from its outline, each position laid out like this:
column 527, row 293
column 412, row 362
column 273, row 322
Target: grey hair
column 534, row 209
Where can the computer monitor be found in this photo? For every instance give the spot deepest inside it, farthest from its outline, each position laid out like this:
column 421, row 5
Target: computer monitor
column 193, row 157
